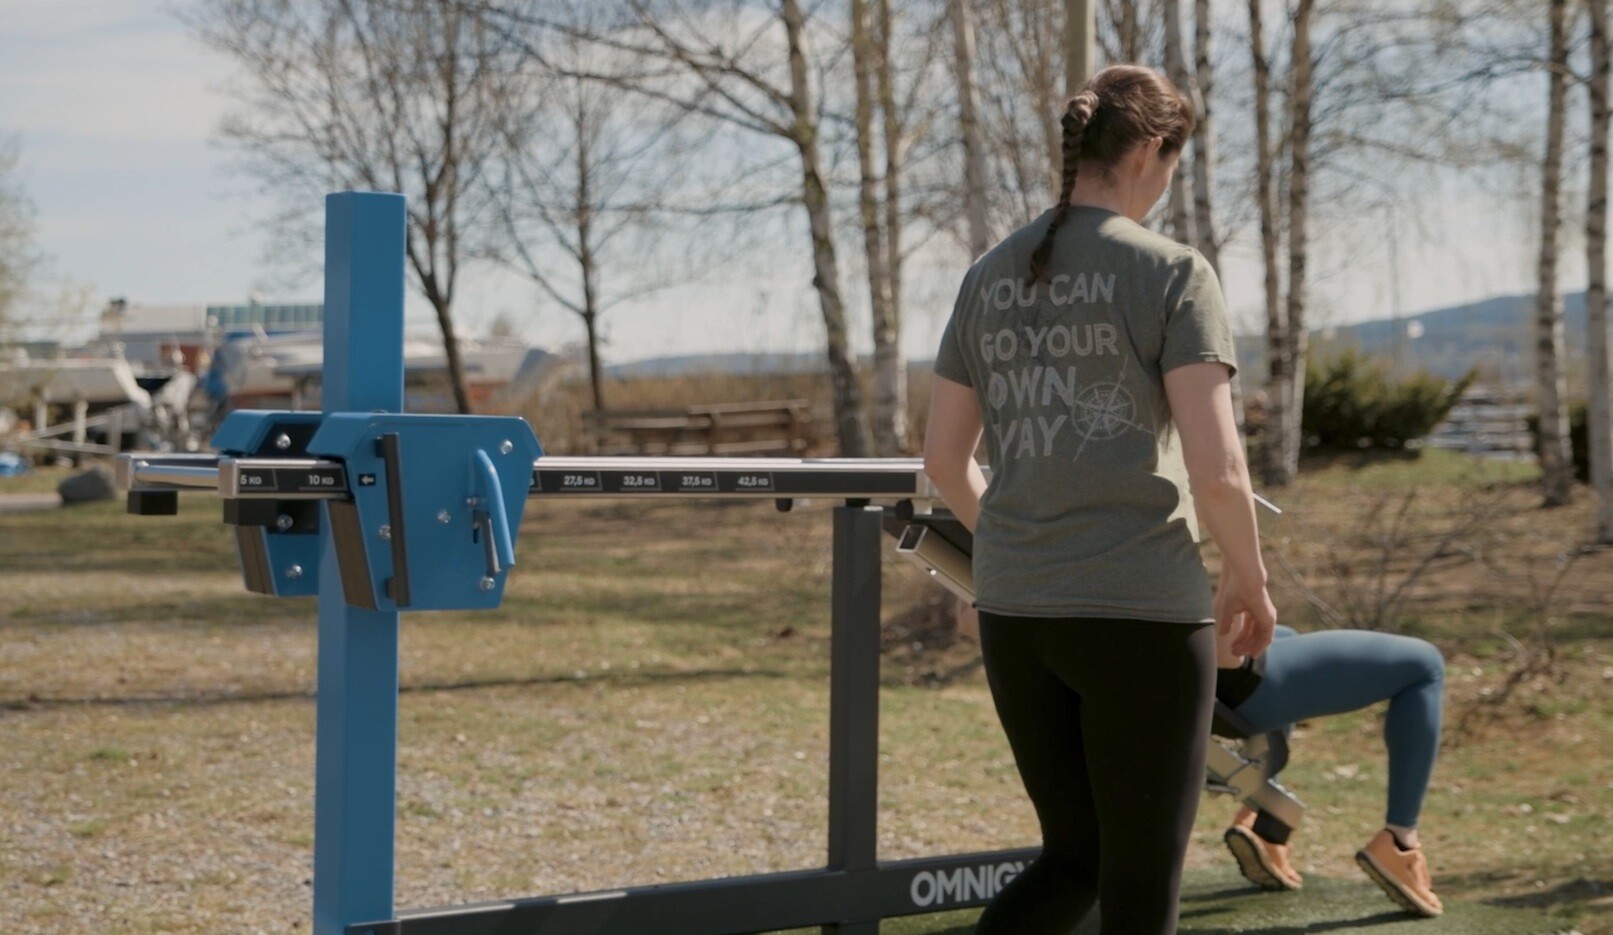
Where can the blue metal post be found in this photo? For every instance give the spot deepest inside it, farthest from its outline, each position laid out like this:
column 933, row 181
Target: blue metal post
column 355, row 776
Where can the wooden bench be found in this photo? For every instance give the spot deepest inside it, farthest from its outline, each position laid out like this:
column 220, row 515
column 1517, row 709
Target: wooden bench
column 780, row 427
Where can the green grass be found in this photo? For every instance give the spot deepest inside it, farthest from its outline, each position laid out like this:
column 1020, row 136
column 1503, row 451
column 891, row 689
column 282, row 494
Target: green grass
column 649, row 705
column 1414, row 469
column 39, row 480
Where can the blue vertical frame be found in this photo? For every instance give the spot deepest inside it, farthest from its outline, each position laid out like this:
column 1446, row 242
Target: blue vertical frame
column 355, row 773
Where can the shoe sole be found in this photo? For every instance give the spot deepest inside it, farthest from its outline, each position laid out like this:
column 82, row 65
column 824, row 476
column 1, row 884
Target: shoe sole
column 1392, row 888
column 1247, row 853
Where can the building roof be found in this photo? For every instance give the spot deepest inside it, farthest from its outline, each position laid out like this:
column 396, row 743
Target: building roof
column 199, row 319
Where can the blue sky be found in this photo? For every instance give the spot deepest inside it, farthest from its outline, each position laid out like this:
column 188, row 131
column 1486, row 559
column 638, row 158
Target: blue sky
column 115, row 105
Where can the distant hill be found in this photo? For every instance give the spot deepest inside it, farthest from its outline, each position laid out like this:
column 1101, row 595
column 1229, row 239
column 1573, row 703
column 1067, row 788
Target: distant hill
column 1496, row 335
column 1493, row 334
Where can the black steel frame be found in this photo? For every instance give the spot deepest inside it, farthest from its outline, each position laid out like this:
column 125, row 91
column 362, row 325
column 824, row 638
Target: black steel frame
column 851, row 894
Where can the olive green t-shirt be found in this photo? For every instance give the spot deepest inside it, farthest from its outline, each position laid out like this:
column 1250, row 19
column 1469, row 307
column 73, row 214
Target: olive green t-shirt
column 1088, row 513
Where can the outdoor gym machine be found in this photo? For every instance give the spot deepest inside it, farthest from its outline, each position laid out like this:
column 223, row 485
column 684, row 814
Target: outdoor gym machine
column 378, row 511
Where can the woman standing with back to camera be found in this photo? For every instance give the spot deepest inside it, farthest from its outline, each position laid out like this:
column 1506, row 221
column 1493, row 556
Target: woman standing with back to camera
column 1086, row 349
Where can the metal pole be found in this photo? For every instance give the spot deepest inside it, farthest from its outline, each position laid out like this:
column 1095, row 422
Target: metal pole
column 355, row 772
column 1080, row 30
column 854, row 700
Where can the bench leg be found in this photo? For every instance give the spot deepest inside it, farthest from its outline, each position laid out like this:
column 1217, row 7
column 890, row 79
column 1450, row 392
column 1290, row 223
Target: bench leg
column 854, row 699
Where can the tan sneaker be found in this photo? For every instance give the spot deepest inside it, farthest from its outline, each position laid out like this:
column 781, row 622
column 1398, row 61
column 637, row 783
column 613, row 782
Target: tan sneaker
column 1403, row 874
column 1261, row 862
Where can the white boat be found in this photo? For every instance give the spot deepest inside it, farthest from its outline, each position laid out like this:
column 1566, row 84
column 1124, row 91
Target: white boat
column 142, row 405
column 259, row 371
column 147, row 360
column 98, row 381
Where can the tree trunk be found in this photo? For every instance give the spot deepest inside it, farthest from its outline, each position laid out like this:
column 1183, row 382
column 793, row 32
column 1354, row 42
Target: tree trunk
column 1278, row 364
column 848, row 414
column 450, row 349
column 441, row 303
column 587, row 264
column 445, row 184
column 1299, row 135
column 1181, row 202
column 1203, row 137
column 1556, row 459
column 1126, row 24
column 890, row 366
column 595, row 382
column 1601, row 390
column 974, row 145
column 1049, row 107
column 589, row 268
column 863, row 56
column 1204, row 163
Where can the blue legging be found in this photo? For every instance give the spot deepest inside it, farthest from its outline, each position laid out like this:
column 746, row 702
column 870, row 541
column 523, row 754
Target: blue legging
column 1313, row 675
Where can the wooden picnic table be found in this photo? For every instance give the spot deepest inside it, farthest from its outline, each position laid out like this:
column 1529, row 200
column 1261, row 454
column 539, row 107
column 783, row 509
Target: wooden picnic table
column 764, row 427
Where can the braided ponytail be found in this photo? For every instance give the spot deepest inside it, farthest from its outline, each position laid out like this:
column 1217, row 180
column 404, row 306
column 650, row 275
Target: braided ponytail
column 1121, row 106
column 1078, row 114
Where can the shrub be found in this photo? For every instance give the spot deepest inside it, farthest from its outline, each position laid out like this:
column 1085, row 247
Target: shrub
column 1352, row 402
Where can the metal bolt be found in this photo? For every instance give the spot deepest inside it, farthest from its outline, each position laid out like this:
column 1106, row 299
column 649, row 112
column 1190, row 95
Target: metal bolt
column 282, row 441
column 386, row 532
column 473, row 501
column 283, row 522
column 486, row 584
column 443, row 517
column 506, row 446
column 294, row 572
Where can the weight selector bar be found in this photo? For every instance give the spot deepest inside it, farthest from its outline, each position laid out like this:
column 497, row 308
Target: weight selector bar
column 552, row 477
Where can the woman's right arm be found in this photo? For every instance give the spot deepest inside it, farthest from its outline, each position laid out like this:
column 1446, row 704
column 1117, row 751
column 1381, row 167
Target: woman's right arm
column 1200, row 397
column 950, row 440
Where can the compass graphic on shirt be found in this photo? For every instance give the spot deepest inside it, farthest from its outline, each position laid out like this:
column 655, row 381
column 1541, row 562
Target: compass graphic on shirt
column 1104, row 411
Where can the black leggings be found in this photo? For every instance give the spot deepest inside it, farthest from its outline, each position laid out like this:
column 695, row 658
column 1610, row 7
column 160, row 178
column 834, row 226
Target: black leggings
column 1108, row 720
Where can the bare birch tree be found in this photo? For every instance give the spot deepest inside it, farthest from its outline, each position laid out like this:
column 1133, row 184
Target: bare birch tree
column 1279, row 362
column 1600, row 413
column 1300, row 69
column 1556, row 458
column 1022, row 81
column 388, row 95
column 803, row 131
column 1206, row 234
column 1180, row 208
column 1204, row 136
column 969, row 130
column 881, row 211
column 1128, row 29
column 584, row 174
column 1021, row 70
column 17, row 256
column 869, row 57
column 747, row 68
column 889, row 415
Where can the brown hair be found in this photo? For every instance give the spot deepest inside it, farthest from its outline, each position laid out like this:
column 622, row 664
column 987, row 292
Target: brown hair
column 1121, row 106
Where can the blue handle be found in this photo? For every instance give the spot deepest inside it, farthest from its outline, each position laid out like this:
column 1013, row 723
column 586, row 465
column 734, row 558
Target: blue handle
column 491, row 492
